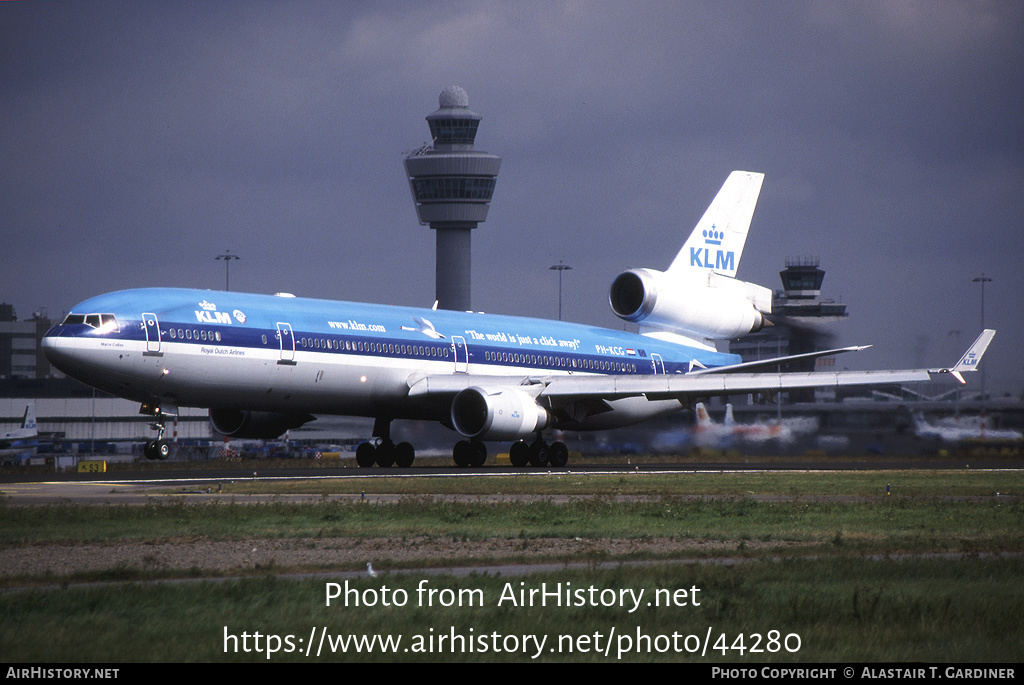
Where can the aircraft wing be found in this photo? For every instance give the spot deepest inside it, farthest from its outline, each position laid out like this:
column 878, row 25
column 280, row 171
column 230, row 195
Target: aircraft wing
column 702, row 383
column 727, row 381
column 659, row 387
column 708, row 384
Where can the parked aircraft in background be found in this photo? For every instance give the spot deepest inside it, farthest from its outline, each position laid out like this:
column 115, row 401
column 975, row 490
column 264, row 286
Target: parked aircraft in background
column 707, row 433
column 963, row 428
column 264, row 364
column 24, row 439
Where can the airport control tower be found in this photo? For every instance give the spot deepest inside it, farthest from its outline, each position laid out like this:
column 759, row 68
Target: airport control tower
column 451, row 185
column 803, row 321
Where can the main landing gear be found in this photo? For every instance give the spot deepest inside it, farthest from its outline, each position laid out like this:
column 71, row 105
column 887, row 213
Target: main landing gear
column 538, row 453
column 466, row 453
column 385, row 453
column 469, row 453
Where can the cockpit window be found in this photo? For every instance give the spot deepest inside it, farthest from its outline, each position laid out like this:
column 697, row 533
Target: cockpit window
column 107, row 322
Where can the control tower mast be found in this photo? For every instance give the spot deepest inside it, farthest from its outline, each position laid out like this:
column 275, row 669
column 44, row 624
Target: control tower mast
column 451, row 185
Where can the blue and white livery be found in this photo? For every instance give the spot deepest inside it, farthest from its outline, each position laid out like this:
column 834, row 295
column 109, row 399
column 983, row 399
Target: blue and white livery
column 264, row 364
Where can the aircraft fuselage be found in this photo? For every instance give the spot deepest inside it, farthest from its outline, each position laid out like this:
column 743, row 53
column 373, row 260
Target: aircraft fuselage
column 214, row 349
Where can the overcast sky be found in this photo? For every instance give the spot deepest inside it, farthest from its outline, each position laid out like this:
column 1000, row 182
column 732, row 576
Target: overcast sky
column 138, row 141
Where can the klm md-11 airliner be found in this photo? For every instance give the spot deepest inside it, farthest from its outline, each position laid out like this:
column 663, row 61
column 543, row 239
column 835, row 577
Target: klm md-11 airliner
column 265, row 364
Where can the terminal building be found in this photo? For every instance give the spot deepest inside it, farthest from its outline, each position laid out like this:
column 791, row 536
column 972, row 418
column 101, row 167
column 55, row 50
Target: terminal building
column 21, row 355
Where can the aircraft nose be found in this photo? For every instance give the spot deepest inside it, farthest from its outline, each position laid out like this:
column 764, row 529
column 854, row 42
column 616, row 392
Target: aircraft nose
column 58, row 346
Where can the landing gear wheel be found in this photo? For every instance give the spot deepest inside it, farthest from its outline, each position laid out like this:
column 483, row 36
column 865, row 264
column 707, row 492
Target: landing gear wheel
column 366, row 454
column 385, row 454
column 538, row 453
column 558, row 454
column 157, row 449
column 404, row 454
column 478, row 453
column 462, row 453
column 519, row 453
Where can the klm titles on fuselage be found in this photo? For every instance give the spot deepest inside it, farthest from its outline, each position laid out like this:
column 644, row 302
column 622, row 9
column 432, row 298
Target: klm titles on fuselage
column 209, row 314
column 213, row 317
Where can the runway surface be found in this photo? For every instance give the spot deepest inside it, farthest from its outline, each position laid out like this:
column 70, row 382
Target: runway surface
column 198, row 484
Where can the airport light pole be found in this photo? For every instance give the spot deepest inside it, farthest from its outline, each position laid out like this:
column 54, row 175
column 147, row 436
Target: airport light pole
column 983, row 279
column 227, row 257
column 956, row 332
column 560, row 267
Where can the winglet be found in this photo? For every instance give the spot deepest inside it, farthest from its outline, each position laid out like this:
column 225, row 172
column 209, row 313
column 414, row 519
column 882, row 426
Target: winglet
column 972, row 357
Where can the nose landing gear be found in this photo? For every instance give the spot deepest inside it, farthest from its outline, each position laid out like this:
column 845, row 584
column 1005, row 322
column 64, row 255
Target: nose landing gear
column 158, row 449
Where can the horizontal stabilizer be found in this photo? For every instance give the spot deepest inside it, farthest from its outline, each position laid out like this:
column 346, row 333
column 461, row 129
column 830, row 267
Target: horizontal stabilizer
column 776, row 362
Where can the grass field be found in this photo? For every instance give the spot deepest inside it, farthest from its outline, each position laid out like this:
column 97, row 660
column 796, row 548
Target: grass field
column 805, row 567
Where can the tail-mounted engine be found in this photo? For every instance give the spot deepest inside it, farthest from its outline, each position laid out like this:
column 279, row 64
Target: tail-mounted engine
column 502, row 414
column 703, row 304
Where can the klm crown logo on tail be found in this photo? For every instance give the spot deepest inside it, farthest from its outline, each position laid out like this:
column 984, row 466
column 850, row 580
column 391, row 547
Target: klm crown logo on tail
column 717, row 241
column 725, row 260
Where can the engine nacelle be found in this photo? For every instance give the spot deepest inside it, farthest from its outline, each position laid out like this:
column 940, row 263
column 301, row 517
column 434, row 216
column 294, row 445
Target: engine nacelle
column 255, row 425
column 505, row 414
column 705, row 304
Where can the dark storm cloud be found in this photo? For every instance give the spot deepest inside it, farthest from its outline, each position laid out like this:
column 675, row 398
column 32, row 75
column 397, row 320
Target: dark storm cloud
column 142, row 139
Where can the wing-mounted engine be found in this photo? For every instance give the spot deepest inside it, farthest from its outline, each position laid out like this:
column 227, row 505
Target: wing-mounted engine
column 255, row 425
column 700, row 304
column 499, row 414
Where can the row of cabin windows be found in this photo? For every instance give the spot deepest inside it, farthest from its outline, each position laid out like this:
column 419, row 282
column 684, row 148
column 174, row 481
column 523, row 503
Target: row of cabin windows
column 189, row 334
column 325, row 344
column 546, row 360
column 381, row 348
column 98, row 320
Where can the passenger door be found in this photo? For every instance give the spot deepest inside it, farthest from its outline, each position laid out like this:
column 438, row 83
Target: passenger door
column 659, row 364
column 461, row 354
column 152, row 327
column 287, row 338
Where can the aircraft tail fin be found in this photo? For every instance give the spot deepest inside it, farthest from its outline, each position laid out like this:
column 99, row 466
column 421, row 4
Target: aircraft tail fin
column 29, row 421
column 703, row 418
column 716, row 244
